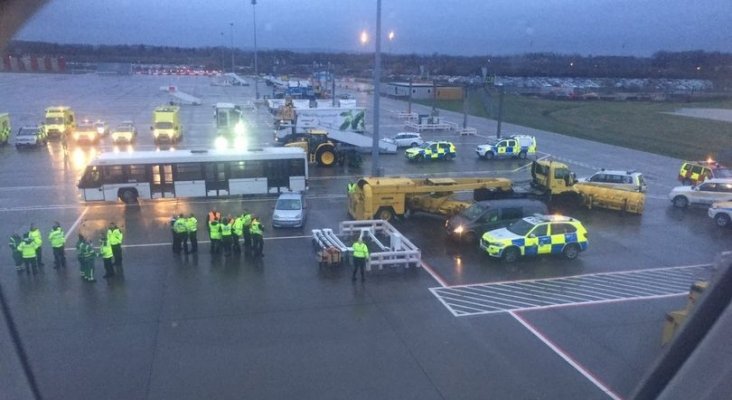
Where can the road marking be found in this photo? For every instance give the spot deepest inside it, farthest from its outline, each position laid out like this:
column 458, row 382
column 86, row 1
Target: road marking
column 501, row 297
column 566, row 357
column 435, row 275
column 76, row 223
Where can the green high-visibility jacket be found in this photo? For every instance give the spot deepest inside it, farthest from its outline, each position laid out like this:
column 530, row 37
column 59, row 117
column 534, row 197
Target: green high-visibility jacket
column 35, row 235
column 114, row 236
column 247, row 218
column 191, row 224
column 239, row 226
column 56, row 237
column 180, row 225
column 106, row 250
column 360, row 250
column 256, row 228
column 226, row 229
column 215, row 230
column 28, row 249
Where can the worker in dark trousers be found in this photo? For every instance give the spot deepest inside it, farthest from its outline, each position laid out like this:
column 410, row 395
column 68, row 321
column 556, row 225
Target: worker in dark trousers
column 115, row 237
column 246, row 231
column 57, row 237
column 35, row 234
column 180, row 234
column 214, row 233
column 256, row 232
column 227, row 230
column 105, row 249
column 238, row 233
column 28, row 249
column 360, row 254
column 80, row 243
column 172, row 230
column 192, row 229
column 15, row 241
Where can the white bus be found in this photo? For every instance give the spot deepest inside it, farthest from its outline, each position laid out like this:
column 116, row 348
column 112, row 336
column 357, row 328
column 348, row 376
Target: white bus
column 193, row 173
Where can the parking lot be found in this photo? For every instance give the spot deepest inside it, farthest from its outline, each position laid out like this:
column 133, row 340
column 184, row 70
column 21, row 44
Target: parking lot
column 461, row 326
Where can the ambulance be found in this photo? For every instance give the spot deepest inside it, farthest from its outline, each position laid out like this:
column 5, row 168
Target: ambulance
column 166, row 124
column 58, row 122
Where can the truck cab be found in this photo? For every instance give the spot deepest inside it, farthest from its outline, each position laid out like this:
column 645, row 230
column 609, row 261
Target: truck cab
column 58, row 122
column 166, row 124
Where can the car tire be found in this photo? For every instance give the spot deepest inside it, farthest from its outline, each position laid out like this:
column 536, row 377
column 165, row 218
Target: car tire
column 414, row 144
column 681, row 202
column 522, row 155
column 511, row 254
column 571, row 251
column 722, row 220
column 449, row 157
column 489, row 155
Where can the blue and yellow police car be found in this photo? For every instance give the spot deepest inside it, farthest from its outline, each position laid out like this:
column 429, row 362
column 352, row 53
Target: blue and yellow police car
column 438, row 150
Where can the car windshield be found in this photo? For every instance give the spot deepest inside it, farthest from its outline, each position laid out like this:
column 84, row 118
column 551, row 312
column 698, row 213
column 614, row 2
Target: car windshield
column 288, row 204
column 123, row 128
column 54, row 120
column 473, row 212
column 86, row 127
column 723, row 173
column 521, row 227
column 28, row 132
column 163, row 125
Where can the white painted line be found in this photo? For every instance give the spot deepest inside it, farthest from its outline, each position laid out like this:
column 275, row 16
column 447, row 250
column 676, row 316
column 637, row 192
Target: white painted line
column 487, row 303
column 76, row 223
column 539, row 294
column 606, row 301
column 454, row 314
column 437, row 277
column 502, row 297
column 566, row 357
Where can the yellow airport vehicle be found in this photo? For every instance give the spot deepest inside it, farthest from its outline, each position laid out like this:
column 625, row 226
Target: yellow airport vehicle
column 59, row 121
column 166, row 124
column 86, row 133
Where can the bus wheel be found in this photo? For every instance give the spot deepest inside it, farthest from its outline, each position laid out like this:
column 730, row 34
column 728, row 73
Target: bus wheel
column 326, row 156
column 128, row 196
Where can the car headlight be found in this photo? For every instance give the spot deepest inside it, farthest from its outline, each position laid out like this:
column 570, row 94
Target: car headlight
column 459, row 230
column 221, row 143
column 76, row 136
column 239, row 129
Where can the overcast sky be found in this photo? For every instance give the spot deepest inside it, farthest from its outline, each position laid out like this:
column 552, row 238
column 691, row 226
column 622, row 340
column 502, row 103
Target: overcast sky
column 461, row 27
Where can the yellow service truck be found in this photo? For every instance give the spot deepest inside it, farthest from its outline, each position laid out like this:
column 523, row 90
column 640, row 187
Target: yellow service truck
column 5, row 128
column 59, row 122
column 166, row 124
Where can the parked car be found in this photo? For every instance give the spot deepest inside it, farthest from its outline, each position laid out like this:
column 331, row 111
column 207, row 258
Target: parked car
column 721, row 213
column 486, row 215
column 86, row 133
column 712, row 190
column 289, row 211
column 30, row 136
column 518, row 146
column 124, row 133
column 629, row 180
column 406, row 139
column 696, row 172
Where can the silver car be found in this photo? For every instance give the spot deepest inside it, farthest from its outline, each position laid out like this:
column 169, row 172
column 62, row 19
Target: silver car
column 289, row 211
column 706, row 193
column 30, row 136
column 406, row 139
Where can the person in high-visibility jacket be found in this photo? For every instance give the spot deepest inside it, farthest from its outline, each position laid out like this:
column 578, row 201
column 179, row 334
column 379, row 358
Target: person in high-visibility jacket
column 191, row 229
column 180, row 234
column 105, row 250
column 35, row 235
column 213, row 215
column 80, row 243
column 255, row 229
column 15, row 241
column 58, row 240
column 350, row 188
column 214, row 232
column 87, row 256
column 114, row 237
column 227, row 230
column 28, row 249
column 238, row 228
column 360, row 254
column 246, row 217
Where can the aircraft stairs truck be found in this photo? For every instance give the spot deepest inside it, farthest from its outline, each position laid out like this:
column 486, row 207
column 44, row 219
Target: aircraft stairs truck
column 329, row 135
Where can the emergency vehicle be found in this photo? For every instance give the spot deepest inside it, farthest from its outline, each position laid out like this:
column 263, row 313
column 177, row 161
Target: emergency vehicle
column 517, row 146
column 439, row 150
column 86, row 133
column 696, row 172
column 536, row 235
column 166, row 124
column 125, row 132
column 59, row 121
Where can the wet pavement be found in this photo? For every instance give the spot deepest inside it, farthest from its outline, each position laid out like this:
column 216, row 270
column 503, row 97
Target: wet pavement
column 193, row 326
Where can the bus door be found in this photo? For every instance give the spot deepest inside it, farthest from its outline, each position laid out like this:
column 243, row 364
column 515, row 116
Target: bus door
column 217, row 180
column 277, row 173
column 161, row 184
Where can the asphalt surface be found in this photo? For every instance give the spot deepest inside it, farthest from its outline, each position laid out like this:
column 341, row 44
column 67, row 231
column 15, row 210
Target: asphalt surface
column 281, row 327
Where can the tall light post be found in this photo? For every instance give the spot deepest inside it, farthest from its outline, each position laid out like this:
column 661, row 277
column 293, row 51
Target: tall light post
column 232, row 46
column 256, row 67
column 375, row 169
column 223, row 46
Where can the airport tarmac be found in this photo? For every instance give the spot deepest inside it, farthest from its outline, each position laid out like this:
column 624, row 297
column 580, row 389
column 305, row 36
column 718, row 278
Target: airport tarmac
column 462, row 326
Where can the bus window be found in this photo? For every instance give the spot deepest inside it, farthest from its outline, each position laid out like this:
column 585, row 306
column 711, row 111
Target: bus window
column 297, row 167
column 114, row 174
column 91, row 178
column 188, row 172
column 137, row 174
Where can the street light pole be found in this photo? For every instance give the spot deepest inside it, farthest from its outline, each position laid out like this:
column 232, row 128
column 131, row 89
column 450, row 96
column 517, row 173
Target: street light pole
column 232, row 46
column 256, row 67
column 223, row 46
column 375, row 170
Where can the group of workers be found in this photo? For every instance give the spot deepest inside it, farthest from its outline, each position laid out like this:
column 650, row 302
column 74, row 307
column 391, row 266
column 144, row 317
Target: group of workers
column 225, row 233
column 28, row 256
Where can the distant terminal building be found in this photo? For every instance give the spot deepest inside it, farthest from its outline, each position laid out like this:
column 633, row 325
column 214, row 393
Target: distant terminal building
column 422, row 90
column 32, row 64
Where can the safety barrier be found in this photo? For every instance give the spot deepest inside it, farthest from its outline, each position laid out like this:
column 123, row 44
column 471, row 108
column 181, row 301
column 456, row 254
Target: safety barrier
column 441, row 126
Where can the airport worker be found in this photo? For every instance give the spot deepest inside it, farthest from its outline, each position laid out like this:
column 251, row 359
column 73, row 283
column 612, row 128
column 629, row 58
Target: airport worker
column 246, row 227
column 172, row 230
column 15, row 241
column 214, row 232
column 227, row 230
column 57, row 237
column 35, row 234
column 214, row 215
column 180, row 234
column 87, row 260
column 191, row 230
column 80, row 254
column 105, row 249
column 351, row 187
column 255, row 230
column 238, row 232
column 115, row 237
column 28, row 249
column 360, row 254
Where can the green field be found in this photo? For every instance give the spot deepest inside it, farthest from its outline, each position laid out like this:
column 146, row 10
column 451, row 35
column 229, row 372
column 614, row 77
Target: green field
column 632, row 124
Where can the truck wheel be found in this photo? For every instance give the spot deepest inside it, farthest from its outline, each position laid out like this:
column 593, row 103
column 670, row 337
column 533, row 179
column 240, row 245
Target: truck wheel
column 489, row 155
column 721, row 220
column 385, row 213
column 681, row 202
column 511, row 254
column 522, row 155
column 128, row 196
column 571, row 251
column 326, row 156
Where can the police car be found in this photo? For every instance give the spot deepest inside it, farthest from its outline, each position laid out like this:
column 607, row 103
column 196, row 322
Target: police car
column 539, row 234
column 440, row 150
column 515, row 146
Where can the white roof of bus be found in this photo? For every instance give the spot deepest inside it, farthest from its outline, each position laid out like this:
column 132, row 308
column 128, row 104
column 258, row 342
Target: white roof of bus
column 172, row 156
